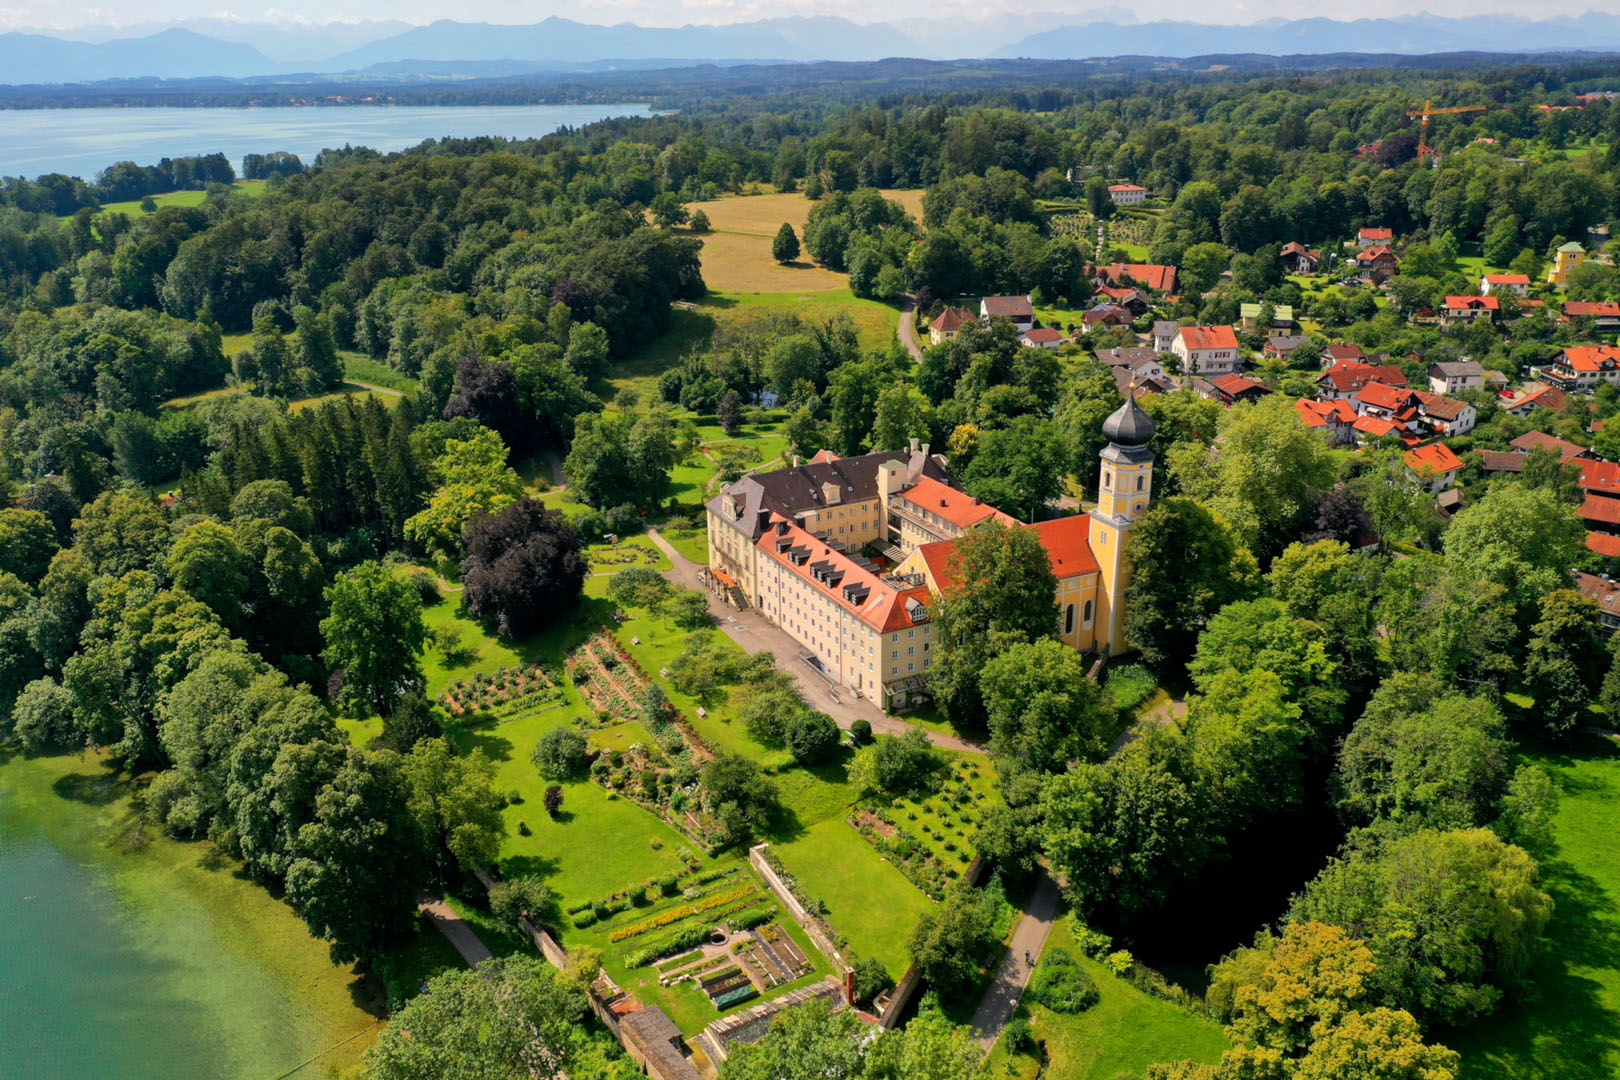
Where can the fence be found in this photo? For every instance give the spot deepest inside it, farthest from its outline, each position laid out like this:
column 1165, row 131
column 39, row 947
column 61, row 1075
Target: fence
column 808, row 922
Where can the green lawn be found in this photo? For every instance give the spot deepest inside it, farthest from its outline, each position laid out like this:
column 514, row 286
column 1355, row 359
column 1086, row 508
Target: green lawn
column 1125, row 1032
column 868, row 900
column 1572, row 1028
column 359, row 367
column 693, row 543
column 178, row 198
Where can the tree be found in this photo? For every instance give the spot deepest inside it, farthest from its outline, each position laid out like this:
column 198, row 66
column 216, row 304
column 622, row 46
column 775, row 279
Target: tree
column 553, row 800
column 413, row 719
column 740, row 796
column 43, row 716
column 808, row 1043
column 1201, row 267
column 207, row 562
column 853, row 389
column 999, row 590
column 728, row 410
column 949, row 940
column 1184, row 564
column 1454, row 919
column 473, row 479
column 1043, row 709
column 1563, row 669
column 587, row 354
column 1248, row 747
column 1326, row 584
column 1287, row 989
column 896, row 764
column 512, row 900
column 454, row 801
column 27, row 542
column 1018, row 468
column 1381, row 1044
column 639, row 587
column 614, row 459
column 785, row 247
column 524, row 569
column 561, row 754
column 668, row 211
column 699, row 222
column 513, row 1017
column 374, row 636
column 1522, row 539
column 903, row 414
column 356, row 867
column 315, row 351
column 1422, row 756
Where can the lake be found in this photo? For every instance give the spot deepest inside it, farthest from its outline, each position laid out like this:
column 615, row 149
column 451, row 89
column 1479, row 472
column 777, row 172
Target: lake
column 125, row 961
column 82, row 142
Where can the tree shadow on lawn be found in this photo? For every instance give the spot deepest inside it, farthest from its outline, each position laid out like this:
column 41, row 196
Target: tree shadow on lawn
column 540, row 866
column 1566, row 1030
column 101, row 788
column 495, row 747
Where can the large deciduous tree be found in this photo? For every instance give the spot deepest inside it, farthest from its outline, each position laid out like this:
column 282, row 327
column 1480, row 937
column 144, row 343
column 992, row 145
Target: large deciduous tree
column 524, row 568
column 1043, row 709
column 374, row 636
column 1185, row 564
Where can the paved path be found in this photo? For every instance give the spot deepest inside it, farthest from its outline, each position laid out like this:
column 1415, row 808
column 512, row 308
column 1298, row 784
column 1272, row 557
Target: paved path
column 755, row 633
column 1160, row 715
column 1028, row 940
column 908, row 328
column 461, row 935
column 374, row 389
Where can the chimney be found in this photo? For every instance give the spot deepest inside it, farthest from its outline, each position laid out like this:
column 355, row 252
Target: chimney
column 913, row 445
column 795, row 461
column 849, row 987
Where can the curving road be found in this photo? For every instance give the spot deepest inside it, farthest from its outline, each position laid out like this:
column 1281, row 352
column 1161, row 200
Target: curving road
column 908, row 327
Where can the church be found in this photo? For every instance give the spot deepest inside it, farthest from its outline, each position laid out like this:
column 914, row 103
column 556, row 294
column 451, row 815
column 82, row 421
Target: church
column 846, row 555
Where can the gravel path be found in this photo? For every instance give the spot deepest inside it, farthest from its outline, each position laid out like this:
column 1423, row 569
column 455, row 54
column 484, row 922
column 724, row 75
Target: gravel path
column 1028, row 940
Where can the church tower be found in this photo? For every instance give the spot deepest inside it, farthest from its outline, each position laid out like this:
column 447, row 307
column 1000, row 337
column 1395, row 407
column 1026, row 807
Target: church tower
column 1123, row 493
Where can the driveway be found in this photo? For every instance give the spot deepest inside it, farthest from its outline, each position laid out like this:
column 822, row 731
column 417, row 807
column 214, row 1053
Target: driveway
column 908, row 328
column 467, row 943
column 755, row 633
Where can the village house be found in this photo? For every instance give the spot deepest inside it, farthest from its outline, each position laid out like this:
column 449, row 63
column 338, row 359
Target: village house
column 1341, row 350
column 1135, row 301
column 1282, row 316
column 1371, row 428
column 1016, row 308
column 1164, row 335
column 1206, row 350
column 1282, row 346
column 1536, row 396
column 1230, row 389
column 1334, row 419
column 1567, row 451
column 1378, row 261
column 1299, row 259
column 1415, row 410
column 1565, row 259
column 1126, row 194
column 948, row 323
column 1458, row 310
column 1433, row 467
column 1604, row 315
column 1155, row 277
column 1455, row 376
column 1504, row 285
column 1346, row 378
column 1600, row 508
column 1373, row 237
column 1106, row 315
column 1603, row 592
column 1139, row 361
column 1582, row 367
column 1042, row 337
column 1447, row 416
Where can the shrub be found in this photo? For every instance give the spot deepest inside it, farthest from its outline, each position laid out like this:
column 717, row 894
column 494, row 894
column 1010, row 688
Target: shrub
column 1018, row 1035
column 860, row 732
column 1062, row 985
column 1129, row 686
column 554, row 800
column 869, row 976
column 624, row 519
column 560, row 754
column 585, row 918
column 669, row 886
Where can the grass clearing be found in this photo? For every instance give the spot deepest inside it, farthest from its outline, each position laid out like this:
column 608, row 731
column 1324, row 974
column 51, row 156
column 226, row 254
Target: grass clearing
column 1125, row 1032
column 1571, row 1030
column 132, row 207
column 360, row 368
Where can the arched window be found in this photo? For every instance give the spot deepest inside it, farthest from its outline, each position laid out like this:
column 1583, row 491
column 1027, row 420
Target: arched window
column 1139, row 479
column 1108, row 479
column 1088, row 611
column 1068, row 619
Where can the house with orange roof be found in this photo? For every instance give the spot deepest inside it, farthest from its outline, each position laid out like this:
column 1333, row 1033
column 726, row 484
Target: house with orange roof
column 1531, row 398
column 927, row 510
column 1433, row 467
column 1155, row 277
column 1207, row 350
column 1336, row 420
column 1604, row 315
column 1567, row 451
column 1373, row 235
column 1018, row 309
column 1346, row 378
column 1126, row 194
column 1458, row 310
column 1505, row 285
column 1379, row 261
column 1604, row 592
column 1582, row 367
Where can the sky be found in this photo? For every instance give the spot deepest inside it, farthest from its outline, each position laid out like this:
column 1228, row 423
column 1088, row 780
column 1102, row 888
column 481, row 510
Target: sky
column 66, row 14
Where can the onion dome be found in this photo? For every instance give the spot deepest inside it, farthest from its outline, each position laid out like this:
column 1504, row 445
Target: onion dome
column 1129, row 425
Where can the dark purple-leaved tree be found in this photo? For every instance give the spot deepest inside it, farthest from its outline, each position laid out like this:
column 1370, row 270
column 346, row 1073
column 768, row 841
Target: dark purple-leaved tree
column 524, row 568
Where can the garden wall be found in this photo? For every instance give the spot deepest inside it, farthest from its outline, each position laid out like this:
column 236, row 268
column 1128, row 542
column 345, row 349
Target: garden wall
column 809, row 924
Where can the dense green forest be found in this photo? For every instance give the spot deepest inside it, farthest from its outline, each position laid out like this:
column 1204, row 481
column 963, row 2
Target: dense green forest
column 204, row 588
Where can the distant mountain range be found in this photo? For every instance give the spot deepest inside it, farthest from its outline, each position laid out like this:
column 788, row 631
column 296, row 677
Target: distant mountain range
column 221, row 47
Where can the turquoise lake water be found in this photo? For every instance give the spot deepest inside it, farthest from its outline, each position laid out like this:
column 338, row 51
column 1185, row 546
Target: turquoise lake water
column 82, row 142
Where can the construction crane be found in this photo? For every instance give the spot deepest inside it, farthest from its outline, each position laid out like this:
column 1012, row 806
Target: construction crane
column 1429, row 110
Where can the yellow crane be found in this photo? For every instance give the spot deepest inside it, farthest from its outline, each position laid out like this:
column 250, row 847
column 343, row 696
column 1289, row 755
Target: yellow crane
column 1429, row 110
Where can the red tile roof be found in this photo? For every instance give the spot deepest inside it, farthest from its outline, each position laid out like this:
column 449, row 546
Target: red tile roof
column 1503, row 460
column 1376, row 234
column 955, row 506
column 1432, row 459
column 1602, row 590
column 1507, row 279
column 952, row 319
column 1473, row 303
column 1322, row 413
column 1208, row 337
column 1234, row 385
column 1603, row 544
column 1007, row 307
column 1600, row 476
column 1607, row 308
column 1600, row 510
column 1154, row 276
column 1534, row 440
column 1043, row 333
column 823, row 456
column 1384, row 396
column 1344, row 350
column 1126, row 187
column 1546, row 397
column 1068, row 544
column 882, row 606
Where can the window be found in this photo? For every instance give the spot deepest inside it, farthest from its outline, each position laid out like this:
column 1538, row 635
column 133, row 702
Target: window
column 1088, row 613
column 1139, row 481
column 911, row 650
column 1068, row 619
column 1108, row 480
column 894, row 654
column 911, row 667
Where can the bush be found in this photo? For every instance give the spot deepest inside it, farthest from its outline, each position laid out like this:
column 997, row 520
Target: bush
column 425, row 584
column 860, row 732
column 1061, row 984
column 870, row 977
column 585, row 918
column 1018, row 1035
column 624, row 519
column 669, row 886
column 1129, row 686
column 560, row 754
